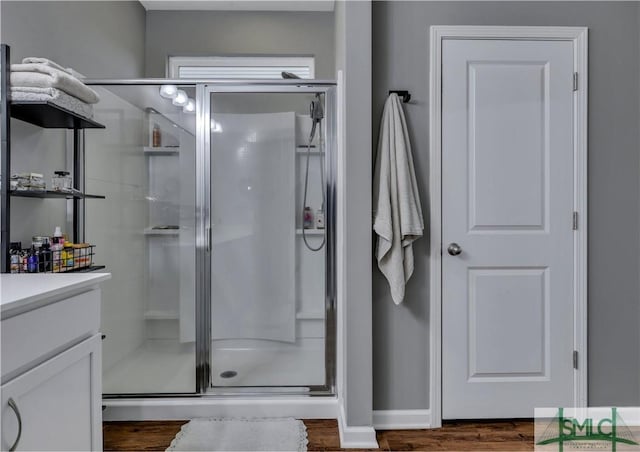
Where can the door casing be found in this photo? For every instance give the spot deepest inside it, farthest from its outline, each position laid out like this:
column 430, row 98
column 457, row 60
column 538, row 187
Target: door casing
column 578, row 36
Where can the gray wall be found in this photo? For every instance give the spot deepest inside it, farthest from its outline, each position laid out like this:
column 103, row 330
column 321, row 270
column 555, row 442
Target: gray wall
column 97, row 39
column 353, row 39
column 206, row 33
column 401, row 61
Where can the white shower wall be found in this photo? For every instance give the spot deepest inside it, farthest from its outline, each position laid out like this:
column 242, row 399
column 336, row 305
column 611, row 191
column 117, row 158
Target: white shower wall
column 308, row 279
column 115, row 168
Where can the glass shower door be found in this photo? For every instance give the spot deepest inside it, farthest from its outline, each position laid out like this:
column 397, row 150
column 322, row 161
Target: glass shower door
column 144, row 232
column 268, row 239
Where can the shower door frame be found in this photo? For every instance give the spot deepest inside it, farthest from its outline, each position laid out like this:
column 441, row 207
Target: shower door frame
column 204, row 92
column 204, row 88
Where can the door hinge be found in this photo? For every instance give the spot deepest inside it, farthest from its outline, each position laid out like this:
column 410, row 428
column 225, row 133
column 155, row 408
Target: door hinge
column 575, row 359
column 575, row 81
column 575, row 221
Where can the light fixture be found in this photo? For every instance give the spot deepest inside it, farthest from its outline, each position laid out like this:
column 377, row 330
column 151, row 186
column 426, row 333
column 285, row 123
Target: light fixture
column 181, row 99
column 168, row 91
column 190, row 107
column 215, row 126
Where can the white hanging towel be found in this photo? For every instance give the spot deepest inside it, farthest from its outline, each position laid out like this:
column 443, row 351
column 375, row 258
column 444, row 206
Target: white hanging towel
column 397, row 214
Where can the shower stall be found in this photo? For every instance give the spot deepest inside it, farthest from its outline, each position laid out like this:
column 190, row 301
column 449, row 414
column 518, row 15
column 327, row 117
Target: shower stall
column 219, row 230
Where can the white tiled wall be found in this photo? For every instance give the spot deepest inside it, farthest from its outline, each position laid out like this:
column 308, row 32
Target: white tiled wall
column 115, row 168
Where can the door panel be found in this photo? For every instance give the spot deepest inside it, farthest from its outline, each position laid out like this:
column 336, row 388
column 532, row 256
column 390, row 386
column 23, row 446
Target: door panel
column 508, row 127
column 491, row 297
column 59, row 402
column 507, row 299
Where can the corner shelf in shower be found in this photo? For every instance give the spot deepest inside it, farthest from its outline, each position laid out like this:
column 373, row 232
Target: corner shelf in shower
column 53, row 194
column 303, row 150
column 155, row 231
column 310, row 315
column 149, row 150
column 310, row 231
column 161, row 315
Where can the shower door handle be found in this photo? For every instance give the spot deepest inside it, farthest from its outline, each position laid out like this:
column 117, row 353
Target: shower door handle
column 208, row 238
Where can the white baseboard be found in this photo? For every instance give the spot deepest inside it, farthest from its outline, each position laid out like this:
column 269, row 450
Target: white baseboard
column 401, row 419
column 189, row 408
column 360, row 437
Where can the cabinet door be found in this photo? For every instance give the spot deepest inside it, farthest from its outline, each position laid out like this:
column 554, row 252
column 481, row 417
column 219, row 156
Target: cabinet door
column 59, row 402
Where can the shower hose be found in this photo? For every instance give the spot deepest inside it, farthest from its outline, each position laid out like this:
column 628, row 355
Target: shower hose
column 306, row 177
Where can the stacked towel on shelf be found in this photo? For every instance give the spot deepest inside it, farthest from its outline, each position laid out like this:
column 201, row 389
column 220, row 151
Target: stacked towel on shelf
column 53, row 95
column 39, row 79
column 46, row 62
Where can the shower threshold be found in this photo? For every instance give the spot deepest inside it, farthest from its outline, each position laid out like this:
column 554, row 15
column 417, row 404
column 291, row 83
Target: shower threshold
column 167, row 366
column 166, row 408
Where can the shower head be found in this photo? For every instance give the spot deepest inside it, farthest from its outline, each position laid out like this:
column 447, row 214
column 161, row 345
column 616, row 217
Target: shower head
column 286, row 75
column 316, row 112
column 315, row 109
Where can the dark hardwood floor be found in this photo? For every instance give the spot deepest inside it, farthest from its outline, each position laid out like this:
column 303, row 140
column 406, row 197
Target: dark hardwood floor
column 323, row 436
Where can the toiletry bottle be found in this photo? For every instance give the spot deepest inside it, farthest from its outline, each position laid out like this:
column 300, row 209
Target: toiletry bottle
column 307, row 218
column 45, row 258
column 67, row 256
column 62, row 181
column 32, row 261
column 15, row 257
column 57, row 234
column 15, row 261
column 57, row 243
column 155, row 137
column 320, row 219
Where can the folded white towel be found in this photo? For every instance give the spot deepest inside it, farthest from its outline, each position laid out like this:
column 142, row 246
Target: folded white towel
column 396, row 202
column 46, row 62
column 52, row 95
column 43, row 76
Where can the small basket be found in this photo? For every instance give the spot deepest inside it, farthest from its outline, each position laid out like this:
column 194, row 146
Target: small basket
column 69, row 259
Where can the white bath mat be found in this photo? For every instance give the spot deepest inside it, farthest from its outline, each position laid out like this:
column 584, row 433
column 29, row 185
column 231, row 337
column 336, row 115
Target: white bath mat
column 241, row 435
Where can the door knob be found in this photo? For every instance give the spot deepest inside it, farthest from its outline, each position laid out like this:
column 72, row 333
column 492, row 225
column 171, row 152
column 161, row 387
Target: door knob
column 454, row 249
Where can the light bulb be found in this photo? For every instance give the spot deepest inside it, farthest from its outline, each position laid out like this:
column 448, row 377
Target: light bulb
column 168, row 91
column 215, row 126
column 181, row 99
column 190, row 107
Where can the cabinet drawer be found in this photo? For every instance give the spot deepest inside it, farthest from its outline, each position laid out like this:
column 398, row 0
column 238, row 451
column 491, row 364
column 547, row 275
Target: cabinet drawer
column 32, row 337
column 58, row 403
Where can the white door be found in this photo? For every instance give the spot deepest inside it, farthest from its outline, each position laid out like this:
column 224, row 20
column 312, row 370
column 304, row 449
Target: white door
column 507, row 208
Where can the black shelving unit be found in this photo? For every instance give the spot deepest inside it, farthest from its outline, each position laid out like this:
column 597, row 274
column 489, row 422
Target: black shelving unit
column 47, row 115
column 52, row 194
column 50, row 116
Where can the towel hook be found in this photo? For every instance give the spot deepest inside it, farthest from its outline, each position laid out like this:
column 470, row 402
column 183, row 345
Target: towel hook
column 405, row 95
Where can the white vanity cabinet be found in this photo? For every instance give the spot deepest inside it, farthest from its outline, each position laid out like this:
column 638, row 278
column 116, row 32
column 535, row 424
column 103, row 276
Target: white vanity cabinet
column 51, row 363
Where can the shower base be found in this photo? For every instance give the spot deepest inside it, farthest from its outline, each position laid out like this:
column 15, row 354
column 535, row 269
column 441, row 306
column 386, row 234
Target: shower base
column 167, row 366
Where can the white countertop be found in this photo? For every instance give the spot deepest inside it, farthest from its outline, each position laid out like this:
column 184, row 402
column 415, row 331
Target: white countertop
column 19, row 291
